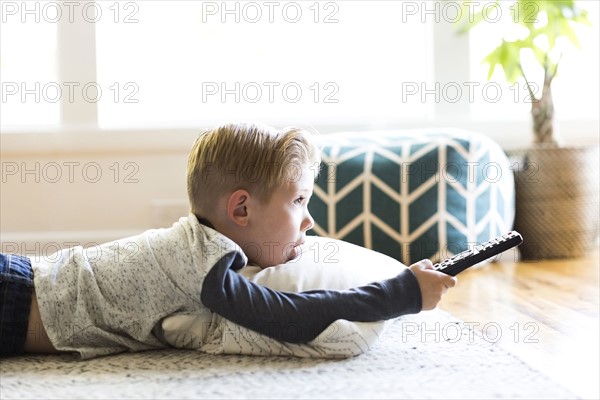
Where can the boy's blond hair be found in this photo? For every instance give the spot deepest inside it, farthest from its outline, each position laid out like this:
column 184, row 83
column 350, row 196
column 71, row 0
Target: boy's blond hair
column 253, row 157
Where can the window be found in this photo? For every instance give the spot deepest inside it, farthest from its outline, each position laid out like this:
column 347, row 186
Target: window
column 30, row 90
column 195, row 62
column 137, row 64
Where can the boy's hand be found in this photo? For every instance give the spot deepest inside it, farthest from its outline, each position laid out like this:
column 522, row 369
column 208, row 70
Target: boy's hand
column 433, row 283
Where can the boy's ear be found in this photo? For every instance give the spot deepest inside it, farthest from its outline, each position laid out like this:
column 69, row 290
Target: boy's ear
column 237, row 207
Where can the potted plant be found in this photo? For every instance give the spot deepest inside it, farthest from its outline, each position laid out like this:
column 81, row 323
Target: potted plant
column 556, row 186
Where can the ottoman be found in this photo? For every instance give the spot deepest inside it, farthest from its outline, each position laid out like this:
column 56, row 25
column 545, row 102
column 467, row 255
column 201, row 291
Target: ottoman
column 413, row 194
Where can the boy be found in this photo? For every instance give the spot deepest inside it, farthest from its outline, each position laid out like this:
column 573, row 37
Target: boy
column 249, row 188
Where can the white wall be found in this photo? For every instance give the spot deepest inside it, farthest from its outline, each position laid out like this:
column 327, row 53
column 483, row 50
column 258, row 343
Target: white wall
column 51, row 191
column 91, row 189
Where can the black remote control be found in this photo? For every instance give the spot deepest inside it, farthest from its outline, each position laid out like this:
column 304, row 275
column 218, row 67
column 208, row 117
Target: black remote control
column 461, row 261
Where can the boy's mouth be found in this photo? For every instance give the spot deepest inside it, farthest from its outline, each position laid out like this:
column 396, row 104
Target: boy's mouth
column 295, row 251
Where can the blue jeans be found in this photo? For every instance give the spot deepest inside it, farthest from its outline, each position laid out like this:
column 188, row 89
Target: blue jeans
column 16, row 289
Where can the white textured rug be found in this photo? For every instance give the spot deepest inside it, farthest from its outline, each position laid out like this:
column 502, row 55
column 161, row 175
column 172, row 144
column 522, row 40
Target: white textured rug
column 430, row 355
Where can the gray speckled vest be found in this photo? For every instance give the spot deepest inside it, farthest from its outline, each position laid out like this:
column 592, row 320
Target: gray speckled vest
column 110, row 298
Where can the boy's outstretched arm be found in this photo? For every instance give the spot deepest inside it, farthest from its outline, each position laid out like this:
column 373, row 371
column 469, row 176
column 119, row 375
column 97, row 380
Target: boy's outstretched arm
column 300, row 317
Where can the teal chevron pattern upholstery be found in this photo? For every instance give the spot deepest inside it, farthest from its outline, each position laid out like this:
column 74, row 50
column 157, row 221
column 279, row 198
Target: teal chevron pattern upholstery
column 413, row 194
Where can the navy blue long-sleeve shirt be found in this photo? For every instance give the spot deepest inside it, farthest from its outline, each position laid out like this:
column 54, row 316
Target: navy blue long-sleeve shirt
column 300, row 317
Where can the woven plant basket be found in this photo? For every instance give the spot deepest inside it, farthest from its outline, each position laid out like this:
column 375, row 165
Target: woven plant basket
column 557, row 201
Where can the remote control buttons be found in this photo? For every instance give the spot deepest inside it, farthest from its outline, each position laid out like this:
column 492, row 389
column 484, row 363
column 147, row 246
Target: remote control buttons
column 462, row 254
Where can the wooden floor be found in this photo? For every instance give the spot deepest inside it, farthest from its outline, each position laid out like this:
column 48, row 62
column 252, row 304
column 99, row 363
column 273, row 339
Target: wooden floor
column 545, row 312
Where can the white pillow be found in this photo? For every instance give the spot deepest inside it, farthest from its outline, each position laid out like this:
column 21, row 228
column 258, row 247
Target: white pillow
column 326, row 263
column 323, row 264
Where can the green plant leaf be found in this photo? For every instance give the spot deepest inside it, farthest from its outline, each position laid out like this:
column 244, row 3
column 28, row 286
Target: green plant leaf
column 525, row 13
column 560, row 14
column 507, row 56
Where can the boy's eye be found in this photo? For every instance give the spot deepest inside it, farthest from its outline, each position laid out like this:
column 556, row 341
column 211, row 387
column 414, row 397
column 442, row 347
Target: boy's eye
column 299, row 200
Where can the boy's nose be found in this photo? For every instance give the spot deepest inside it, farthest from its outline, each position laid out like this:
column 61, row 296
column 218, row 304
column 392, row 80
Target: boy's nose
column 308, row 222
